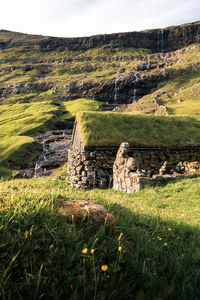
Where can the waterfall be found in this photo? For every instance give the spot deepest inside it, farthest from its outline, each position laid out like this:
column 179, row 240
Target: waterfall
column 115, row 92
column 116, row 88
column 135, row 90
column 160, row 41
column 134, row 95
column 41, row 159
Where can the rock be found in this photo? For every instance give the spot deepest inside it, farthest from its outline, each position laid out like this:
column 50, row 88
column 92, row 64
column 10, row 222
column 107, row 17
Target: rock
column 78, row 211
column 164, row 168
column 101, row 173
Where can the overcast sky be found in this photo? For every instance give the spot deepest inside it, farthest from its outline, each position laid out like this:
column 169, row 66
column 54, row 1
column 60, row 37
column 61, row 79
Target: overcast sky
column 71, row 18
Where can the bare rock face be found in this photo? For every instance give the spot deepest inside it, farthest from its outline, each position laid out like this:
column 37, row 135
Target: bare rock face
column 78, row 211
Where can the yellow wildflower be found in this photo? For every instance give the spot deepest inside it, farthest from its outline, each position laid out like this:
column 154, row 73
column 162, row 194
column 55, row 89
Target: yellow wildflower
column 169, row 229
column 120, row 248
column 92, row 251
column 84, row 251
column 104, row 268
column 165, row 244
column 160, row 239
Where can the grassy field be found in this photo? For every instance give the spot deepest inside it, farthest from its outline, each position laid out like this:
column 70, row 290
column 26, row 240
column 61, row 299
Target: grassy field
column 20, row 122
column 41, row 255
column 111, row 129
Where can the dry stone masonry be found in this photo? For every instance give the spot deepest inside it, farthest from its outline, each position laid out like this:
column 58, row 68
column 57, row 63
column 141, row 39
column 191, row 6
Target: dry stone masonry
column 126, row 168
column 134, row 168
column 91, row 167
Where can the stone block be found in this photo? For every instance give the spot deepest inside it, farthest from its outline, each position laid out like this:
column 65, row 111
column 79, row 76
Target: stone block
column 84, row 174
column 79, row 169
column 101, row 173
column 128, row 182
column 89, row 168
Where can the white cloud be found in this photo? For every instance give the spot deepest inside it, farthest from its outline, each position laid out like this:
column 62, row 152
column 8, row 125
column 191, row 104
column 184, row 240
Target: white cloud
column 87, row 17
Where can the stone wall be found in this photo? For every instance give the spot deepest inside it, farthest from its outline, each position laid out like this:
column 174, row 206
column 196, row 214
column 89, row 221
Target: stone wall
column 94, row 167
column 91, row 167
column 134, row 168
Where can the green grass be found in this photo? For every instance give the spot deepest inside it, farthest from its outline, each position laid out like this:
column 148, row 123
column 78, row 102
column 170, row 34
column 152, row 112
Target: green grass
column 74, row 106
column 20, row 122
column 103, row 51
column 111, row 129
column 41, row 255
column 17, row 147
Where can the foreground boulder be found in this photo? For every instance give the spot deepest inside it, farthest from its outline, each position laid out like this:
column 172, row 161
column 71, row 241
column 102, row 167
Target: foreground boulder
column 79, row 211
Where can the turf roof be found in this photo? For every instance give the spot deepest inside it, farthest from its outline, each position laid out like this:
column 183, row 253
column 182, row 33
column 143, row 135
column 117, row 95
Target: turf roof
column 100, row 129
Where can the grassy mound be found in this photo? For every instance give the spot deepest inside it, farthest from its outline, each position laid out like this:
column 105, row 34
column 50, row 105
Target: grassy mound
column 111, row 129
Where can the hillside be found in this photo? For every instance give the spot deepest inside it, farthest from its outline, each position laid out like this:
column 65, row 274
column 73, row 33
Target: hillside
column 154, row 71
column 137, row 87
column 116, row 68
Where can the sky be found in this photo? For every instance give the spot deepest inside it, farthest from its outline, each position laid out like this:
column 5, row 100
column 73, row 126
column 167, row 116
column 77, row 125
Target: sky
column 73, row 18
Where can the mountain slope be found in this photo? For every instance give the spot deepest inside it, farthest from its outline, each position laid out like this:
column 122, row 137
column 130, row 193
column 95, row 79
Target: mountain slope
column 116, row 68
column 154, row 71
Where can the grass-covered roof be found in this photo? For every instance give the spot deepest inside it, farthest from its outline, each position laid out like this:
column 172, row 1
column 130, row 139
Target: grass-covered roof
column 111, row 129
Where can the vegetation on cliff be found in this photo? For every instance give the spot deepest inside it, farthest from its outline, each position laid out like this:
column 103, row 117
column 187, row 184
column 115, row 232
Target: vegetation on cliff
column 181, row 95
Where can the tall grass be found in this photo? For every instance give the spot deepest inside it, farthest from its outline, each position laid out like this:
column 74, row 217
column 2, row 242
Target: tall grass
column 43, row 257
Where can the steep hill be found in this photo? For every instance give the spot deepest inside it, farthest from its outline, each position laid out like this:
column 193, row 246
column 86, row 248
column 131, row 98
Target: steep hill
column 115, row 68
column 154, row 71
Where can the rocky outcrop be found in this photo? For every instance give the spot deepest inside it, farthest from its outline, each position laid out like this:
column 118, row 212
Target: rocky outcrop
column 157, row 40
column 23, row 88
column 122, row 90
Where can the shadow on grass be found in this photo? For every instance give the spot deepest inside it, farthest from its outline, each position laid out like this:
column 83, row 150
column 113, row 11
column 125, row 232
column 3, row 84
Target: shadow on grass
column 41, row 256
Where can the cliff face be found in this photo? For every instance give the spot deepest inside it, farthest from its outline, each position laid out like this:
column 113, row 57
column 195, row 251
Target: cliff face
column 114, row 68
column 158, row 40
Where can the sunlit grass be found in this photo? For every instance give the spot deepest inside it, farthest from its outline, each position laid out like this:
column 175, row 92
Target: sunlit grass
column 111, row 129
column 19, row 123
column 44, row 257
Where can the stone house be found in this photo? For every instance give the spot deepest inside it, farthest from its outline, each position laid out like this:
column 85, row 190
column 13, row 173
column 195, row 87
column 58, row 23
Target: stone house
column 91, row 165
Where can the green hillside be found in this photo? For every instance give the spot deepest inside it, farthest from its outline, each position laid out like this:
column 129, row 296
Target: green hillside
column 20, row 122
column 181, row 96
column 153, row 79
